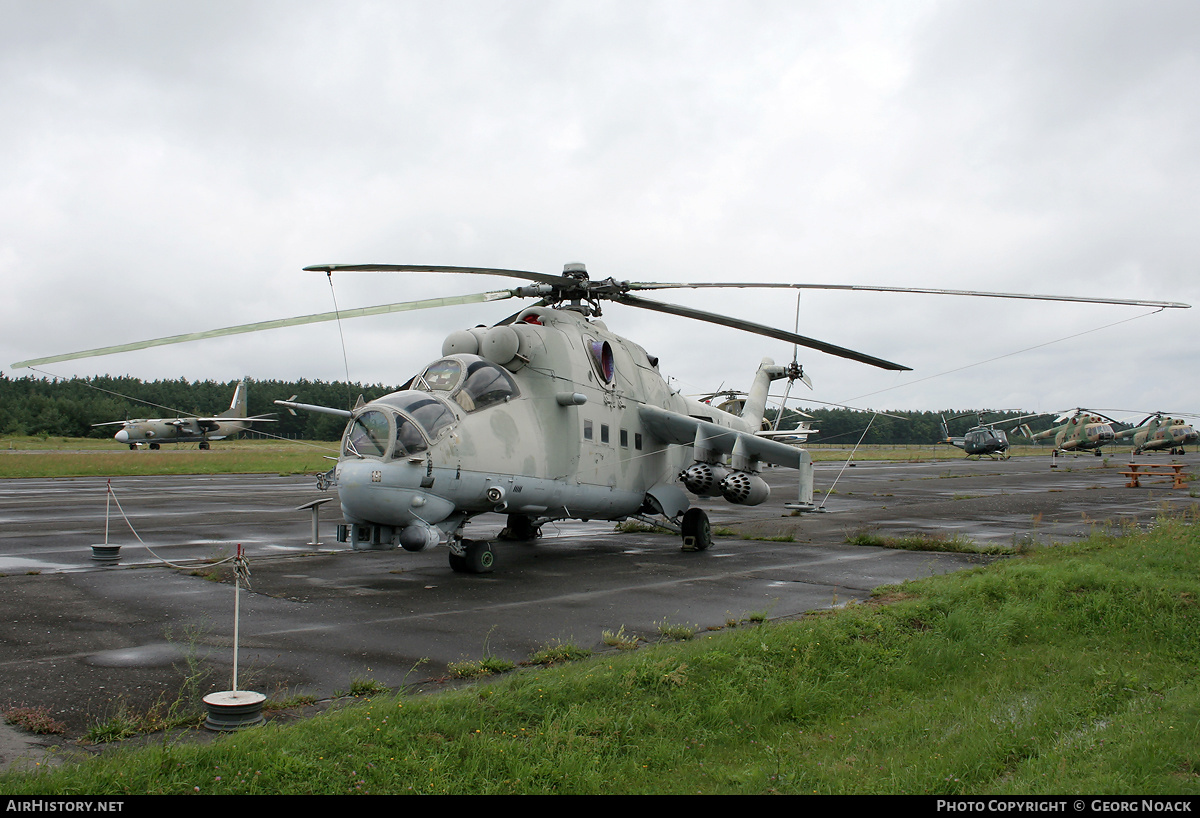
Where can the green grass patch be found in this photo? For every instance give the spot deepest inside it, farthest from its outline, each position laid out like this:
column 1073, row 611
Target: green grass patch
column 1071, row 670
column 85, row 457
column 557, row 653
column 470, row 668
column 939, row 542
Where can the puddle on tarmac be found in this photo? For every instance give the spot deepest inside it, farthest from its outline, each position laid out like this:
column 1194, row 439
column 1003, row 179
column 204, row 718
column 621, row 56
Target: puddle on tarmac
column 155, row 654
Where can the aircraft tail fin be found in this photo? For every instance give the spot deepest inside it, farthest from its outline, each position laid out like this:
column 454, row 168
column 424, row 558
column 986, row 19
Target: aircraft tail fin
column 756, row 401
column 237, row 407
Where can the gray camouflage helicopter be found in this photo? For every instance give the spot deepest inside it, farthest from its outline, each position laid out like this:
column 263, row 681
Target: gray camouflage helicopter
column 547, row 415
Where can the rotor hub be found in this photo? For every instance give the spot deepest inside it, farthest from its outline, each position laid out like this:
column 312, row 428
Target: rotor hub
column 575, row 269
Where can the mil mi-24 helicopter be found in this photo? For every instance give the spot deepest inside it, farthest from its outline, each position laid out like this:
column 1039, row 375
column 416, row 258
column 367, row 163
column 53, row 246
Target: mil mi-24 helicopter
column 547, row 415
column 155, row 431
column 1159, row 432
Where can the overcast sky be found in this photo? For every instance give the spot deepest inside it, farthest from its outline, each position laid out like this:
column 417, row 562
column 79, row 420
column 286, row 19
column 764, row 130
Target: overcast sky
column 171, row 166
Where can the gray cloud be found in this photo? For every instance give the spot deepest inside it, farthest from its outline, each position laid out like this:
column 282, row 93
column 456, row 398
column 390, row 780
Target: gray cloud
column 171, row 167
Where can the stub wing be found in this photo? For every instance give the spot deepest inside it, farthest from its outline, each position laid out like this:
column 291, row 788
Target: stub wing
column 674, row 428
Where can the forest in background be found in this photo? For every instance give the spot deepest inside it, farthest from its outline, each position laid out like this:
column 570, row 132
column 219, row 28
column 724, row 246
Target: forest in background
column 68, row 407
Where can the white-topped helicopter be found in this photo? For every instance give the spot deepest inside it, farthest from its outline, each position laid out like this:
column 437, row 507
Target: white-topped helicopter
column 546, row 416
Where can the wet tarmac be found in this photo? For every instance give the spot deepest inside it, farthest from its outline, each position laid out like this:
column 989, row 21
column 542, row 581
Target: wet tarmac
column 83, row 639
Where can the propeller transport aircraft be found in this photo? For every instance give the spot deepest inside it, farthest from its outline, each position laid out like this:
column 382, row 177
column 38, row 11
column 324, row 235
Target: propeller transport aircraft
column 548, row 415
column 156, row 431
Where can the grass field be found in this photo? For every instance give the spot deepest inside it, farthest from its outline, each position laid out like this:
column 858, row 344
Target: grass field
column 88, row 457
column 1068, row 671
column 91, row 457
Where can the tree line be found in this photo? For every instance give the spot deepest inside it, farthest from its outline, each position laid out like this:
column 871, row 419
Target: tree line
column 68, row 407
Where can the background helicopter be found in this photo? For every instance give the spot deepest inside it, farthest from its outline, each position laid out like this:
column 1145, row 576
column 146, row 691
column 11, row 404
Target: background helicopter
column 981, row 440
column 1158, row 432
column 155, row 431
column 1083, row 430
column 547, row 415
column 733, row 400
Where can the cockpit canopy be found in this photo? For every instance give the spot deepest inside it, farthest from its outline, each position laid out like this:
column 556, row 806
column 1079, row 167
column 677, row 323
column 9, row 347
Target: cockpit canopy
column 421, row 413
column 420, row 419
column 469, row 380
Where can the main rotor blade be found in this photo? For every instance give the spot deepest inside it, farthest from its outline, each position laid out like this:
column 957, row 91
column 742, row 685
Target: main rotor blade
column 758, row 329
column 649, row 285
column 544, row 278
column 402, row 306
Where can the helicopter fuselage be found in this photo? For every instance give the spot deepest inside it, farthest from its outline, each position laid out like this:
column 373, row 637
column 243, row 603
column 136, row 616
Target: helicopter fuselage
column 551, row 417
column 1159, row 434
column 1080, row 433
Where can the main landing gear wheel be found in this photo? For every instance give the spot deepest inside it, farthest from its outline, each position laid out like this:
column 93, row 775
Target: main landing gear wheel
column 697, row 533
column 477, row 558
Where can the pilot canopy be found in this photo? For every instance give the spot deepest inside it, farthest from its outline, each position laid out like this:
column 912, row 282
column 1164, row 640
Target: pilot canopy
column 407, row 422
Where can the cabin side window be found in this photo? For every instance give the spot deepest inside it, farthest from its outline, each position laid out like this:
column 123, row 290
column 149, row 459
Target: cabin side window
column 442, row 376
column 433, row 415
column 409, row 439
column 587, row 430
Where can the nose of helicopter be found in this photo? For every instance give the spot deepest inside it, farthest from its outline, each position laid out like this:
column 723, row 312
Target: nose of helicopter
column 122, row 436
column 388, row 493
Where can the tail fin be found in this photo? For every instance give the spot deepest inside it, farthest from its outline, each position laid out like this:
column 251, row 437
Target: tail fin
column 945, row 431
column 237, row 407
column 756, row 400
